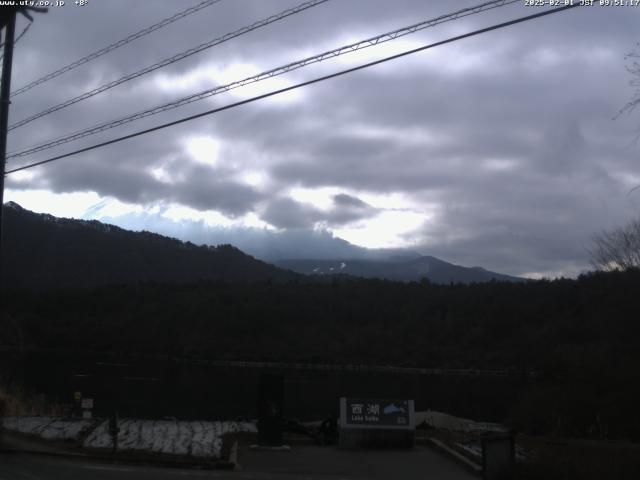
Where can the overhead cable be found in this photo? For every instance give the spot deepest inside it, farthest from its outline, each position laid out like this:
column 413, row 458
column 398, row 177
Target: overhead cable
column 385, row 37
column 113, row 46
column 24, row 30
column 296, row 86
column 168, row 61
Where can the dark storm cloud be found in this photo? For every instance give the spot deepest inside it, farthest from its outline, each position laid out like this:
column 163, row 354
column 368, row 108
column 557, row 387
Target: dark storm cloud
column 287, row 213
column 349, row 209
column 508, row 137
column 204, row 189
column 347, row 201
column 130, row 179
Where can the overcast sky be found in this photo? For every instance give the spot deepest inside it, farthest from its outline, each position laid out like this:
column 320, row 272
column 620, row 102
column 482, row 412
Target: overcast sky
column 499, row 150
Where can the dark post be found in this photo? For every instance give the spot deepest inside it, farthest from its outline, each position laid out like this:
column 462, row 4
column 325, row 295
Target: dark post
column 498, row 456
column 114, row 429
column 270, row 410
column 5, row 93
column 3, row 411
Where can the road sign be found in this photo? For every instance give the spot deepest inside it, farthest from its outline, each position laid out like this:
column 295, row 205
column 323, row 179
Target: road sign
column 375, row 422
column 376, row 413
column 87, row 403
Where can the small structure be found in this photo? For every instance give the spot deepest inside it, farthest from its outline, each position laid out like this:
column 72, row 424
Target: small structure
column 498, row 456
column 382, row 423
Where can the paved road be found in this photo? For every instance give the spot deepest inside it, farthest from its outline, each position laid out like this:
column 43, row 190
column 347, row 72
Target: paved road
column 305, row 463
column 38, row 467
column 314, row 462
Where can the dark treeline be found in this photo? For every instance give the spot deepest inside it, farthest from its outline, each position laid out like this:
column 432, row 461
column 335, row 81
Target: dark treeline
column 582, row 336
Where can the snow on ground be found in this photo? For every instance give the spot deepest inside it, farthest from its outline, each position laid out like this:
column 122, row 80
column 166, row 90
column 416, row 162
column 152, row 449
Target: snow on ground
column 49, row 428
column 198, row 439
column 449, row 422
column 474, row 448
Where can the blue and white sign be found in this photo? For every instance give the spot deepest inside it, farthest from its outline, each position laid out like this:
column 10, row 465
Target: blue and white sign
column 376, row 413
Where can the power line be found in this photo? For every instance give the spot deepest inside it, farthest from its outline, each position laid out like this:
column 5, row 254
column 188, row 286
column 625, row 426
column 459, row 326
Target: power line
column 22, row 33
column 168, row 61
column 296, row 86
column 118, row 44
column 385, row 37
column 24, row 30
column 265, row 75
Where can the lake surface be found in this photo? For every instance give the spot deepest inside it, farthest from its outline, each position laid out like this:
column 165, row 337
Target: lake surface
column 153, row 388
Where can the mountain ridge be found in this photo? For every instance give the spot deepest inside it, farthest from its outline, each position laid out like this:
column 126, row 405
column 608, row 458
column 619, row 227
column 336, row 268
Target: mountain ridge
column 410, row 270
column 42, row 251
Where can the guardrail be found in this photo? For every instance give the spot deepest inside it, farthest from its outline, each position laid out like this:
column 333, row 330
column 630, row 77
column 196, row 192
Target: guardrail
column 469, row 372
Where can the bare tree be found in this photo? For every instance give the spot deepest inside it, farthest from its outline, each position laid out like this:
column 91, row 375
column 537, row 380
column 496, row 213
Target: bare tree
column 617, row 249
column 633, row 67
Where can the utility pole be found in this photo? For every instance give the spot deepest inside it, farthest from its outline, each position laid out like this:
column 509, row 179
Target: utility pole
column 8, row 22
column 5, row 94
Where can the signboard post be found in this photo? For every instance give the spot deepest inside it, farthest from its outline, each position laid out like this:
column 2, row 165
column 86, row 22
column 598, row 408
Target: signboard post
column 87, row 407
column 376, row 422
column 498, row 456
column 114, row 429
column 270, row 410
column 77, row 399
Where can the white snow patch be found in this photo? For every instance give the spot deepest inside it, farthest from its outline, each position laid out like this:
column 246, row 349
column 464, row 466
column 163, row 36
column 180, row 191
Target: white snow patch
column 472, row 448
column 198, row 439
column 49, row 428
column 450, row 422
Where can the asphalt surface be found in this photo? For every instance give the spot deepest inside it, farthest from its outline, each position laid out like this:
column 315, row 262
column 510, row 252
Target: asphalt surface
column 39, row 467
column 314, row 462
column 305, row 462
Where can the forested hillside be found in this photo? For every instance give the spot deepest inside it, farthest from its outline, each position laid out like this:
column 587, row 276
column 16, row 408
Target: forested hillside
column 581, row 336
column 42, row 251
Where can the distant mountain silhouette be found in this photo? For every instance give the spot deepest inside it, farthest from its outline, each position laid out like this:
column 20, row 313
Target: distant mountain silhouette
column 42, row 251
column 401, row 269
